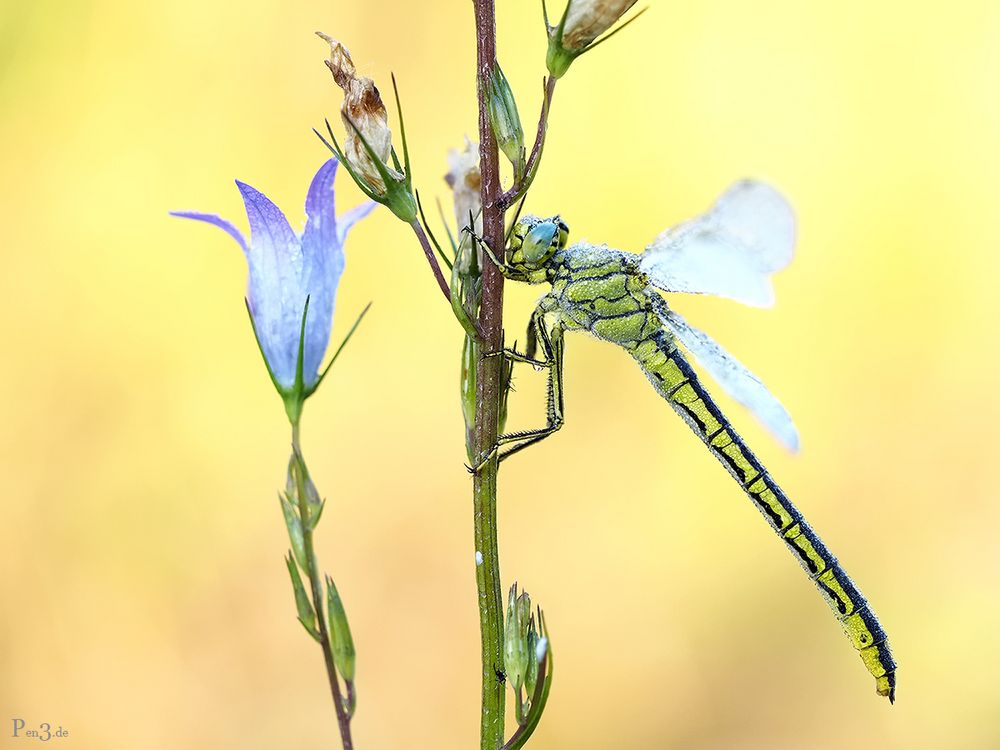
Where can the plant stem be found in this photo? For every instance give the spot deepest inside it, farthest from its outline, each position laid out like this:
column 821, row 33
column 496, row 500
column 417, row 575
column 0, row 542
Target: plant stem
column 316, row 585
column 488, row 388
column 431, row 260
column 521, row 186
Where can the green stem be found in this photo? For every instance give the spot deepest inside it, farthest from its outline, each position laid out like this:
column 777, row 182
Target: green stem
column 316, row 585
column 488, row 392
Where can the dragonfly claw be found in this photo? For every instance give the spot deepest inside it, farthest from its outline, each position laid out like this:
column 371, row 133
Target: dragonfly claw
column 482, row 461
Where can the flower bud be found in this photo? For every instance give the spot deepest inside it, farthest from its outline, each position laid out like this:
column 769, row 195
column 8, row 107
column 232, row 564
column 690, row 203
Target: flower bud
column 365, row 118
column 516, row 637
column 505, row 120
column 467, row 384
column 294, row 526
column 538, row 672
column 582, row 23
column 298, row 476
column 588, row 19
column 531, row 675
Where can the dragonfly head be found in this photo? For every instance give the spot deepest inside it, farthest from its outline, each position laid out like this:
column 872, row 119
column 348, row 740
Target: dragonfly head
column 534, row 241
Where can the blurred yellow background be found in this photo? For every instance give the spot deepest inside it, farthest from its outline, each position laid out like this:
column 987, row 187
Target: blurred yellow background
column 145, row 600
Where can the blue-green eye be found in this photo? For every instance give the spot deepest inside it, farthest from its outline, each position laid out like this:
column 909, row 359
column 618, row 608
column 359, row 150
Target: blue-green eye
column 539, row 241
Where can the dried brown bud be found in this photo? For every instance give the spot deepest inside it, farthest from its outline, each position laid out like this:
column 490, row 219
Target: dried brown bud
column 362, row 109
column 588, row 19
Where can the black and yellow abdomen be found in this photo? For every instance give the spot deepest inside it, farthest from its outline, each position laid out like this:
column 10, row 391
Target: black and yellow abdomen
column 674, row 379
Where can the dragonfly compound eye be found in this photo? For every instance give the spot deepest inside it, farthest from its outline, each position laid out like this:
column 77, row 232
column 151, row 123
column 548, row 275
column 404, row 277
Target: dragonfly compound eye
column 541, row 242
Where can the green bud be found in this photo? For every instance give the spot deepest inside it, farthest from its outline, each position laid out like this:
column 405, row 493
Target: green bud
column 340, row 633
column 531, row 676
column 505, row 120
column 537, row 682
column 516, row 637
column 558, row 59
column 298, row 475
column 307, row 616
column 294, row 526
column 524, row 613
column 470, row 356
column 400, row 200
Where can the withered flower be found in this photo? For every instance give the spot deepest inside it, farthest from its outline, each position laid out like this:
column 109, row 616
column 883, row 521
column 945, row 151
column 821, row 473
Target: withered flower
column 588, row 19
column 364, row 117
column 368, row 151
column 465, row 180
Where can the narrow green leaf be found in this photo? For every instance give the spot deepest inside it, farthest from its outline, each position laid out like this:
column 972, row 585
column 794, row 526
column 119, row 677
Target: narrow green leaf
column 340, row 348
column 307, row 616
column 340, row 632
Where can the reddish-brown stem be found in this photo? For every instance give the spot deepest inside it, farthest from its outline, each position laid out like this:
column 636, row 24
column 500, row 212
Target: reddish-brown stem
column 431, row 260
column 488, row 391
column 521, row 187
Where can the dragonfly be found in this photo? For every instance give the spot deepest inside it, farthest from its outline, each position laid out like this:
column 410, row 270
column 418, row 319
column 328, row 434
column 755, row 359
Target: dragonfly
column 730, row 251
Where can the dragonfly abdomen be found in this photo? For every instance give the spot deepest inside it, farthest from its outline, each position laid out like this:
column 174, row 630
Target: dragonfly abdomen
column 677, row 382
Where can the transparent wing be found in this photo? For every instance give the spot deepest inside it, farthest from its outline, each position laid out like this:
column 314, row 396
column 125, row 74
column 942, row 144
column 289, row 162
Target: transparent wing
column 730, row 251
column 735, row 379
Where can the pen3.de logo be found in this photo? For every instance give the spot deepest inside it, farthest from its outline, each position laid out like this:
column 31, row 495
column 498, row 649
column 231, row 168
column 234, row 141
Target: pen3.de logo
column 43, row 732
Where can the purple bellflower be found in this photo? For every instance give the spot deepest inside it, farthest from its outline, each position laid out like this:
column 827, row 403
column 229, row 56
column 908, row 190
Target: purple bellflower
column 293, row 280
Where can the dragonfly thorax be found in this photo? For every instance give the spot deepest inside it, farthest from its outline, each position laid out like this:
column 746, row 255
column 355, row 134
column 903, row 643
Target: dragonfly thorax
column 534, row 241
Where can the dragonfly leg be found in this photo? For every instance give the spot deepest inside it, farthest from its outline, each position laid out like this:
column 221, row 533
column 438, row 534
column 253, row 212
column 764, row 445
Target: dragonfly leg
column 504, row 267
column 552, row 350
column 515, row 356
column 531, row 348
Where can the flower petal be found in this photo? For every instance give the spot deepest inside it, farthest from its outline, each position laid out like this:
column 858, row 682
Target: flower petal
column 322, row 265
column 221, row 223
column 321, row 219
column 275, row 291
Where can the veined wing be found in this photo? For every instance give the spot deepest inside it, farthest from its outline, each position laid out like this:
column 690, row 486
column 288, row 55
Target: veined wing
column 730, row 251
column 735, row 379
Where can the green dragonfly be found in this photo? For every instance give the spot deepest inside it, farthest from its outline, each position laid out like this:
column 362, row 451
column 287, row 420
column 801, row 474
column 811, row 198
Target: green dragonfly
column 730, row 251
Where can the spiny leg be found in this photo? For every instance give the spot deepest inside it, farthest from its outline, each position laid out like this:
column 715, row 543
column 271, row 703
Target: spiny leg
column 556, row 415
column 531, row 349
column 552, row 351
